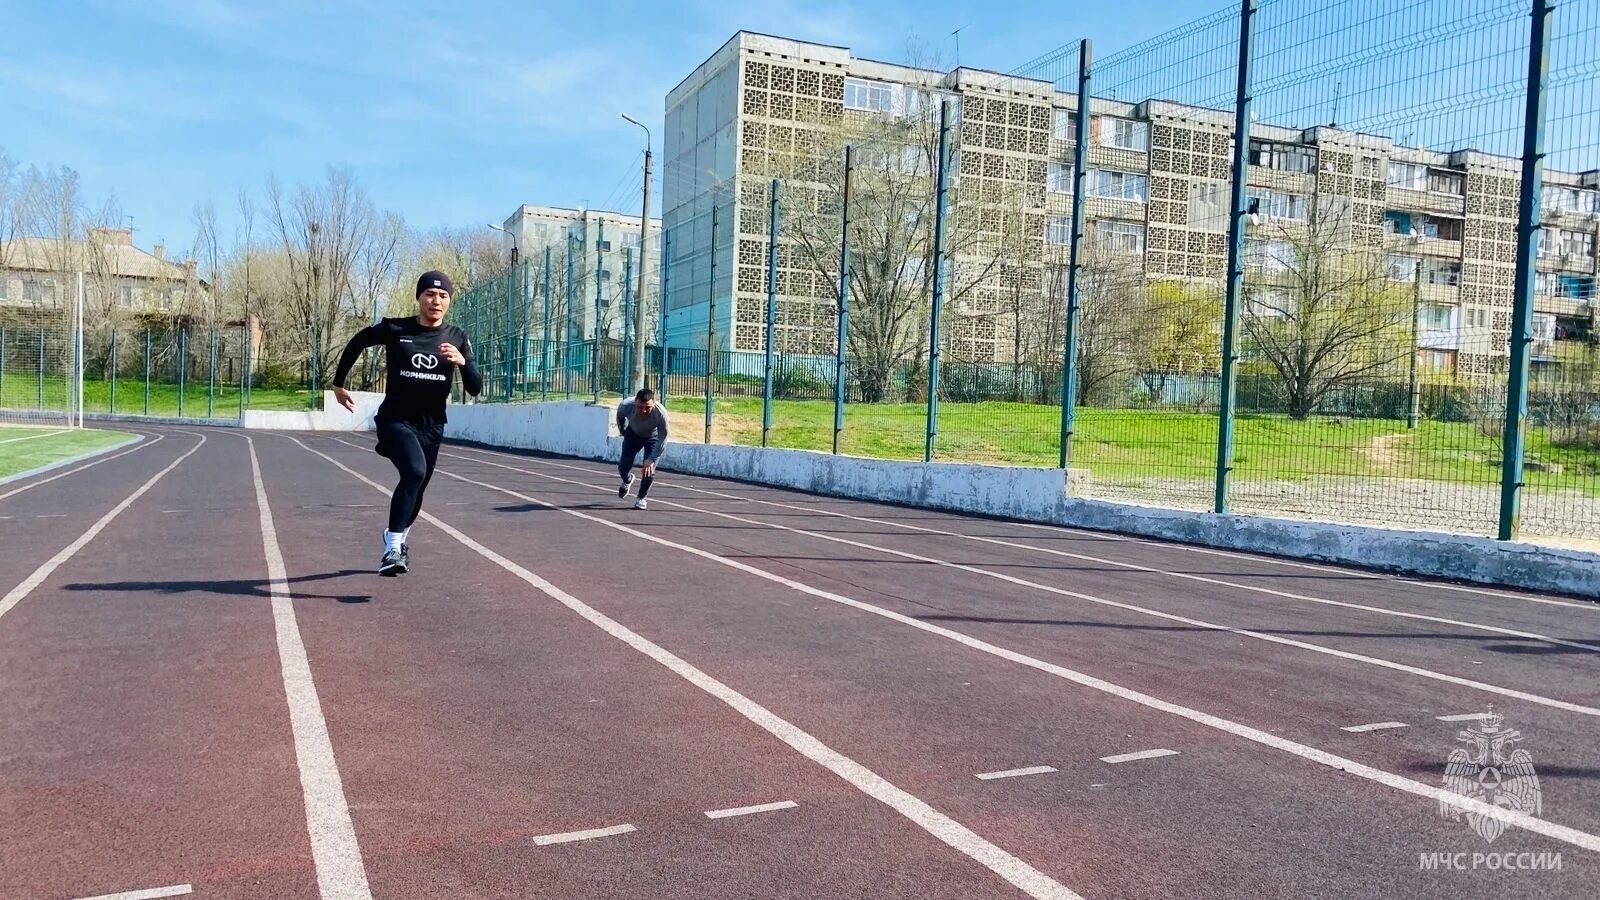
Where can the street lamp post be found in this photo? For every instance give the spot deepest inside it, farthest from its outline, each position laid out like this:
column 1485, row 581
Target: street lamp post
column 508, row 355
column 636, row 377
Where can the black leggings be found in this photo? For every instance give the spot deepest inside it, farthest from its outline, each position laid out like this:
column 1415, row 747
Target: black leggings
column 631, row 445
column 413, row 449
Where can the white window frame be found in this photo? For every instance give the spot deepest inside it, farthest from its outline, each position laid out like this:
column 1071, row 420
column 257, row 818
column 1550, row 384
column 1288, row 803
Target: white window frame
column 1544, row 328
column 1459, row 179
column 1402, row 267
column 1428, row 314
column 875, row 96
column 1058, row 178
column 1058, row 231
column 1119, row 237
column 1441, row 272
column 1408, row 176
column 1270, row 256
column 1137, row 134
column 1281, row 205
column 1064, row 125
column 1100, row 180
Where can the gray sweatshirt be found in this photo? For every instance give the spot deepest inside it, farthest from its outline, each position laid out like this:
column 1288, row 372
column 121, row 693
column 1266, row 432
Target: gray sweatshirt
column 643, row 426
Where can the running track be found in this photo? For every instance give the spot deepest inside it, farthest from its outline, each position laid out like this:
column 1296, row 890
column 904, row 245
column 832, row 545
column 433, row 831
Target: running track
column 743, row 692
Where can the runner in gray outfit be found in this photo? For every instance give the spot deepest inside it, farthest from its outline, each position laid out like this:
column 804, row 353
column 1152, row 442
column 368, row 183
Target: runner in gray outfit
column 643, row 426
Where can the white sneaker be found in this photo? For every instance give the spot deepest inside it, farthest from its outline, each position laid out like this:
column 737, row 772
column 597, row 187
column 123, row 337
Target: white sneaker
column 622, row 491
column 642, row 504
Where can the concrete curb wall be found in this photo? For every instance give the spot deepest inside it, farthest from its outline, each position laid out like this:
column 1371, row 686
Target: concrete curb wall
column 332, row 416
column 577, row 429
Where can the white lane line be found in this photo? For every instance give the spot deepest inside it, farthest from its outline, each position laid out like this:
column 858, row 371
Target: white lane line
column 1289, row 595
column 1135, row 757
column 546, row 840
column 31, row 437
column 51, row 516
column 1464, row 717
column 1312, row 754
column 176, row 890
column 1102, row 601
column 18, row 593
column 334, row 851
column 1375, row 726
column 751, row 810
column 1016, row 773
column 1021, row 875
column 138, row 440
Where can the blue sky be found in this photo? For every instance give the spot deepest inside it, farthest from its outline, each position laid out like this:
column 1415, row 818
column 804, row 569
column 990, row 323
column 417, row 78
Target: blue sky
column 450, row 113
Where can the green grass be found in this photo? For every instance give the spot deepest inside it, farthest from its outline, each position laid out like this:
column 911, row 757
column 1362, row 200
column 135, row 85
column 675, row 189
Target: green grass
column 23, row 392
column 22, row 449
column 1132, row 445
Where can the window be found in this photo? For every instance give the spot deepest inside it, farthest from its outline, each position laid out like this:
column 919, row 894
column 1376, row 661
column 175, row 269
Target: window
column 1118, row 185
column 1119, row 237
column 630, row 239
column 1477, row 317
column 1578, row 246
column 1544, row 328
column 1060, row 178
column 1403, row 268
column 1269, row 256
column 1575, row 287
column 1435, row 228
column 1438, row 318
column 1436, row 361
column 126, row 294
column 1066, row 125
column 872, row 96
column 1208, row 205
column 1409, row 176
column 1546, row 283
column 1573, row 200
column 1395, row 222
column 1124, row 134
column 1059, row 231
column 1283, row 157
column 1442, row 182
column 37, row 291
column 1441, row 272
column 1277, row 204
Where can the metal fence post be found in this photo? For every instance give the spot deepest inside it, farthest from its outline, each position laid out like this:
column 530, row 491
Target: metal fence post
column 244, row 374
column 211, row 378
column 1236, row 228
column 772, row 311
column 147, row 371
column 509, row 353
column 112, row 405
column 711, row 322
column 76, row 387
column 40, row 378
column 627, row 319
column 942, row 198
column 2, row 365
column 566, row 360
column 844, row 301
column 316, row 363
column 527, row 327
column 544, row 333
column 183, row 364
column 599, row 272
column 1530, row 214
column 1069, row 352
column 661, row 325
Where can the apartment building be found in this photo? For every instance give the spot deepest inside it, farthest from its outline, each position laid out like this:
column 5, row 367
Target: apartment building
column 41, row 273
column 601, row 245
column 1158, row 194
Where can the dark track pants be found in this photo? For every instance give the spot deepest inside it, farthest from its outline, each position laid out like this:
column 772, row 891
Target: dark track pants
column 413, row 449
column 631, row 445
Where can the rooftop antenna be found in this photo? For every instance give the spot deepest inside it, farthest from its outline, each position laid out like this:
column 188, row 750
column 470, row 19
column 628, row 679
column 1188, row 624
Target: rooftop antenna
column 957, row 35
column 1333, row 120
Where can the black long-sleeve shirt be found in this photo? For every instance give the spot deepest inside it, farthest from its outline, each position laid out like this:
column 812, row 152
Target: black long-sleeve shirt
column 419, row 375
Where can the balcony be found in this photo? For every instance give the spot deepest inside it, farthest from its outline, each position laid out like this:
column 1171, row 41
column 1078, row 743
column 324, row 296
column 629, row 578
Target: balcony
column 1439, row 339
column 1406, row 200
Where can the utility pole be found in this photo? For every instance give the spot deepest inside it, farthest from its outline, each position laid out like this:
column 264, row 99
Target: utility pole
column 636, row 377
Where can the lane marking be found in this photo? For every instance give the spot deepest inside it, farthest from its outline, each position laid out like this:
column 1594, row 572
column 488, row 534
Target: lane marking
column 1375, row 726
column 1290, row 595
column 176, row 890
column 32, row 437
column 957, row 836
column 1464, row 717
column 1016, row 773
column 570, row 836
column 1135, row 757
column 1324, row 758
column 21, row 591
column 51, row 516
column 341, row 875
column 751, row 810
column 1102, row 601
column 137, row 440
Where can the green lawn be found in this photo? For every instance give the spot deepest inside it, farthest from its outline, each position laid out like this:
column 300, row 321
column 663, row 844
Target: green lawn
column 22, row 449
column 1137, row 445
column 24, row 392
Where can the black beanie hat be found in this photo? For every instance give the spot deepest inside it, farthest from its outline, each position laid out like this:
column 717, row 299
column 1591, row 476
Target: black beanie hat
column 434, row 280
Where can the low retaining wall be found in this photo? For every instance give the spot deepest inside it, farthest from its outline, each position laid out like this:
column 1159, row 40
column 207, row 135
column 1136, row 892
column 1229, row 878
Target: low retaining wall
column 578, row 429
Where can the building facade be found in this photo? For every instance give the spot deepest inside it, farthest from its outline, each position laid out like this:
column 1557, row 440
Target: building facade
column 1157, row 195
column 41, row 273
column 602, row 245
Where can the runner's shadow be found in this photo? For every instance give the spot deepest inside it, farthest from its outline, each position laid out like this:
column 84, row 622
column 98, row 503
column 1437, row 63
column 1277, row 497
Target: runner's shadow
column 534, row 507
column 241, row 587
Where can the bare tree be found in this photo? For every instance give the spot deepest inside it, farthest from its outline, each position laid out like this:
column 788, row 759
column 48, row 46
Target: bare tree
column 1321, row 311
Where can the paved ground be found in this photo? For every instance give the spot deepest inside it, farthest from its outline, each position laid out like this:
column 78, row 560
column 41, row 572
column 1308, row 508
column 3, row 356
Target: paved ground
column 742, row 692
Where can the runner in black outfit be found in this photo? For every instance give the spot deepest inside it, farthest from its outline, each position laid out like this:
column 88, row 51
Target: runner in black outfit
column 423, row 355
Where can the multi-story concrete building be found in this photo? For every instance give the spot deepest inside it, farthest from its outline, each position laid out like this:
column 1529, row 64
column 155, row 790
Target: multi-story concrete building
column 601, row 245
column 40, row 273
column 1158, row 193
